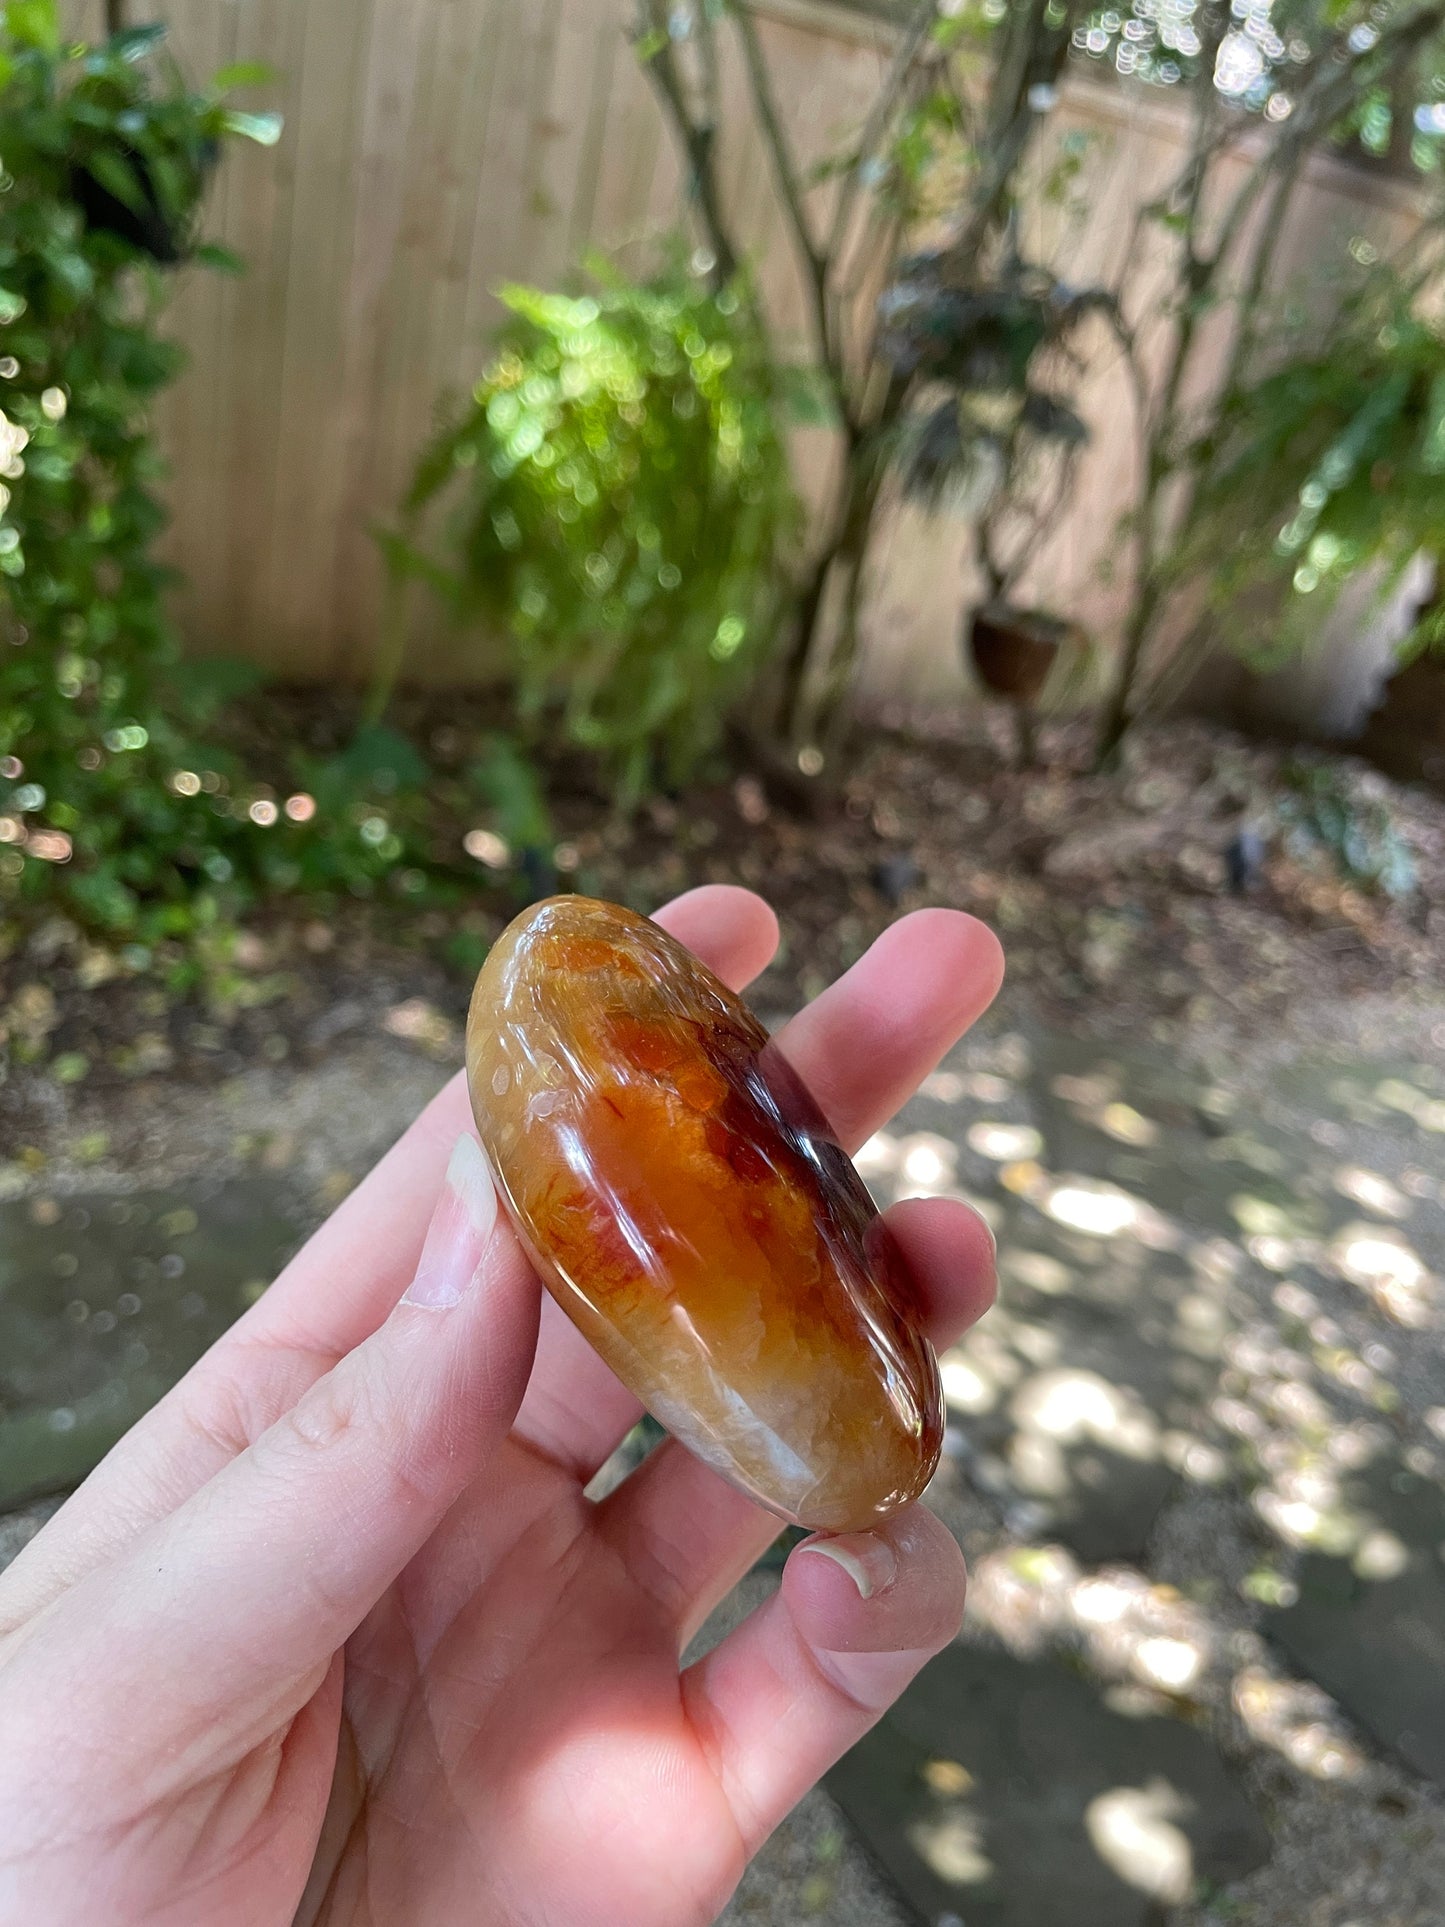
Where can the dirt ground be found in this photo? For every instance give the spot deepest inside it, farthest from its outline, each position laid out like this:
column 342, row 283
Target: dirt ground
column 1113, row 896
column 1133, row 949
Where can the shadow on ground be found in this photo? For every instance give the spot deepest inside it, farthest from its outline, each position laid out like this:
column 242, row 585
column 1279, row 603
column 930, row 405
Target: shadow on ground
column 1218, row 1335
column 1219, row 1325
column 1013, row 1791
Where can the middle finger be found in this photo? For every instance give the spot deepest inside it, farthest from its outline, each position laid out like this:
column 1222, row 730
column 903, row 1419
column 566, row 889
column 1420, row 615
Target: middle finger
column 684, row 1532
column 861, row 1048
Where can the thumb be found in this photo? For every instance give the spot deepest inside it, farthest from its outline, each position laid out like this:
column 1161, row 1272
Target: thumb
column 256, row 1581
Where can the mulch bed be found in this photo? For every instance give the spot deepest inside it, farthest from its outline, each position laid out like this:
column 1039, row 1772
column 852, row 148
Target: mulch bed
column 1113, row 895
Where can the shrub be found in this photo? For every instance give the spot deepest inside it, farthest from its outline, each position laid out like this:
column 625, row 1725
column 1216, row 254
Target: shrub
column 105, row 158
column 117, row 806
column 615, row 500
column 1330, row 463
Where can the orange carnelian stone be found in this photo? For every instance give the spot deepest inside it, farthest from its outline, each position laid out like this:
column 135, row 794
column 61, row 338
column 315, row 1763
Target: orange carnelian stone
column 688, row 1207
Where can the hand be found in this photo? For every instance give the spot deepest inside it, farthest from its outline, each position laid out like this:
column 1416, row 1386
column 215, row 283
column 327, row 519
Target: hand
column 335, row 1633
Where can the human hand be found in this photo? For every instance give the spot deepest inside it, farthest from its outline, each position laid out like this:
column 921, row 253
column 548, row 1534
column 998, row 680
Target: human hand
column 335, row 1634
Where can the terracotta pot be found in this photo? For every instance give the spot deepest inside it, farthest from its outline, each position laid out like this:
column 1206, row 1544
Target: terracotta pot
column 1013, row 650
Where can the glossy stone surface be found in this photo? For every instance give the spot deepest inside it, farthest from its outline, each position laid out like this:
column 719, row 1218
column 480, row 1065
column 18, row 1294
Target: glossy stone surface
column 687, row 1206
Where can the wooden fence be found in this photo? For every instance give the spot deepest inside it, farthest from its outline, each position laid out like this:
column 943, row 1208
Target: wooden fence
column 435, row 149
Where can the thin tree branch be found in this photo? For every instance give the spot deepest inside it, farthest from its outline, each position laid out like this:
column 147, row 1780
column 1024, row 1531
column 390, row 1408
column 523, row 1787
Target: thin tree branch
column 880, row 118
column 698, row 137
column 790, row 188
column 706, row 33
column 1031, row 56
column 779, row 146
column 1246, row 333
column 1333, row 83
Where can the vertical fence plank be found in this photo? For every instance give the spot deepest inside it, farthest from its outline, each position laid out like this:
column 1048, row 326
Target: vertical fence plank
column 435, row 148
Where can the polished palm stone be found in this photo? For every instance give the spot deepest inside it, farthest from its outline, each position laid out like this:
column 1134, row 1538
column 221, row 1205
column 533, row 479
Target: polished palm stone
column 689, row 1208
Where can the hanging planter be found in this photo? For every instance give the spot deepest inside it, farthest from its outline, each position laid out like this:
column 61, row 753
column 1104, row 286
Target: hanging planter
column 1012, row 650
column 141, row 175
column 146, row 201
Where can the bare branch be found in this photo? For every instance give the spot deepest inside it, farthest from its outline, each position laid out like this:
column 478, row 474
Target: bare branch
column 1031, row 55
column 779, row 145
column 1246, row 331
column 697, row 137
column 790, row 188
column 703, row 27
column 880, row 118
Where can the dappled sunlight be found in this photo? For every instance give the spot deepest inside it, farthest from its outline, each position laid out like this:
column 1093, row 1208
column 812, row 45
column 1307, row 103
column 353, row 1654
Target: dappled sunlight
column 1101, row 1602
column 942, row 1087
column 1380, row 1555
column 1133, row 1830
column 1102, row 1210
column 1174, row 1664
column 1004, row 1143
column 926, row 1163
column 1130, row 1630
column 1427, row 1112
column 1020, row 1595
column 1127, row 1126
column 1038, row 1270
column 951, row 1843
column 1371, row 1191
column 1384, row 1265
column 1194, row 1458
column 965, row 1389
column 1096, row 1100
column 1298, row 1720
column 1097, row 1209
column 1240, row 1148
column 879, row 1157
column 1069, row 1406
column 1205, row 1303
column 1088, row 1093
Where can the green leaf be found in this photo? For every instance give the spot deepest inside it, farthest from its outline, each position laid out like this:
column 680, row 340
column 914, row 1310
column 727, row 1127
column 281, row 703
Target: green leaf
column 206, row 684
column 375, row 750
column 116, row 175
column 649, row 45
column 34, row 23
column 505, row 776
column 1432, row 447
column 212, row 255
column 264, row 129
column 134, row 43
column 173, row 189
column 74, row 272
column 242, row 73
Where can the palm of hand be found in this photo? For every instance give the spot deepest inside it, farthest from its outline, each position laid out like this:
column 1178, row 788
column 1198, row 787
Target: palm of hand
column 339, row 1615
column 534, row 1746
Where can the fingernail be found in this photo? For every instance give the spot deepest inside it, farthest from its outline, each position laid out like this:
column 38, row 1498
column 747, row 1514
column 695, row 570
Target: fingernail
column 868, row 1560
column 459, row 1232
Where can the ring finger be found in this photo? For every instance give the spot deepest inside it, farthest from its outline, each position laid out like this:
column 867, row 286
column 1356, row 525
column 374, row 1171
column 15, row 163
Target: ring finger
column 687, row 1534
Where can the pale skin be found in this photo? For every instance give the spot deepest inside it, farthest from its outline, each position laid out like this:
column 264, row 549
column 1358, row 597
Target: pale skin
column 335, row 1635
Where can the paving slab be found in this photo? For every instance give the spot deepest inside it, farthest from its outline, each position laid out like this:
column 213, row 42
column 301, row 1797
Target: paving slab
column 1369, row 1624
column 1003, row 1792
column 105, row 1301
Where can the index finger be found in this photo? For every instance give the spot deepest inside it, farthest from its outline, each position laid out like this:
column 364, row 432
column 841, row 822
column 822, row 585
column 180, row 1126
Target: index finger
column 345, row 1280
column 336, row 1291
